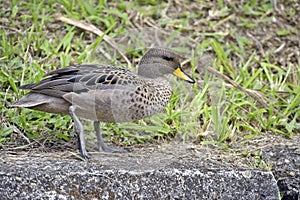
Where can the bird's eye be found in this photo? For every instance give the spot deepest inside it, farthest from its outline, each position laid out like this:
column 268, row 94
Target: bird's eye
column 168, row 58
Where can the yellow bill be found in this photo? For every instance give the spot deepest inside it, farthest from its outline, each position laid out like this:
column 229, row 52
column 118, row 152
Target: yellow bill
column 181, row 74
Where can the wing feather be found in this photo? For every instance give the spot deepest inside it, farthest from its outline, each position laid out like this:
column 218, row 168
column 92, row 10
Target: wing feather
column 82, row 78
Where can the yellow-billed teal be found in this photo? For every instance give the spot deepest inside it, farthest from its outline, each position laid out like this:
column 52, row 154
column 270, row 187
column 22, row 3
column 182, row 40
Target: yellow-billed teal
column 106, row 93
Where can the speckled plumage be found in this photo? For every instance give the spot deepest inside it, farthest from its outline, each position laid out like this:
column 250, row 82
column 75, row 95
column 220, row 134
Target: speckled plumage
column 106, row 93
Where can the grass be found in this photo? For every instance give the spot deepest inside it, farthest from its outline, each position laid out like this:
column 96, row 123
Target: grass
column 33, row 42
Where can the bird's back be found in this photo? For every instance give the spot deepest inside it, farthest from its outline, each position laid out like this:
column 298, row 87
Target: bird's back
column 82, row 78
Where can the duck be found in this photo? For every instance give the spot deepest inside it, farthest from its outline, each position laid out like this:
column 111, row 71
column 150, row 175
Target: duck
column 105, row 93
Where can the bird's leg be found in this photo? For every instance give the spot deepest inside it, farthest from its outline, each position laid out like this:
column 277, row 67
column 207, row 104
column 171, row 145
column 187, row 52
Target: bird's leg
column 80, row 132
column 101, row 146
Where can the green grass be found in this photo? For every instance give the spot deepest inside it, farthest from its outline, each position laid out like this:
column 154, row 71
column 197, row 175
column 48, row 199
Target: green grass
column 33, row 43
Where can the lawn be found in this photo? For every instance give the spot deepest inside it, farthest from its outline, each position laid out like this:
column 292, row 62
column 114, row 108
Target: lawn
column 243, row 55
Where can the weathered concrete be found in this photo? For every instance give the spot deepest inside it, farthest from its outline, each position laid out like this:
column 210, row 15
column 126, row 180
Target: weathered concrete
column 285, row 163
column 139, row 175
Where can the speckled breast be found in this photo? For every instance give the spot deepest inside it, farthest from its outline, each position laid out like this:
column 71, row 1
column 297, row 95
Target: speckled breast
column 125, row 104
column 145, row 101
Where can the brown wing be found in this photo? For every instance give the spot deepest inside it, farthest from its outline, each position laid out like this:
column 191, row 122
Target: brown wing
column 83, row 78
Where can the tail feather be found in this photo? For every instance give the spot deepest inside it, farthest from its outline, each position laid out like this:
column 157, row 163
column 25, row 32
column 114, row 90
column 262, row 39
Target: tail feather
column 42, row 102
column 26, row 87
column 29, row 100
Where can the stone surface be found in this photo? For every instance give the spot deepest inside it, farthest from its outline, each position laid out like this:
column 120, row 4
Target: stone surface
column 139, row 175
column 285, row 163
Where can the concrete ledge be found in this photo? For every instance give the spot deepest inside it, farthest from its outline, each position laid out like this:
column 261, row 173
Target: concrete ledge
column 285, row 163
column 131, row 176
